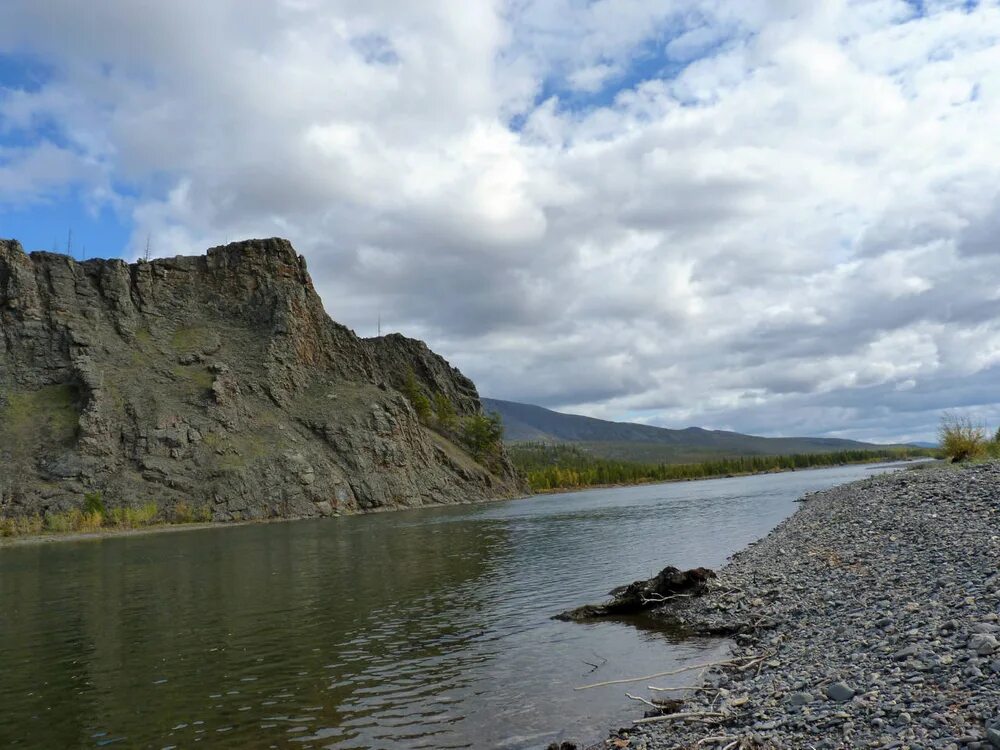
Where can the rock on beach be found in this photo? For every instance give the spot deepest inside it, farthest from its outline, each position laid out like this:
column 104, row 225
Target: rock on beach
column 869, row 619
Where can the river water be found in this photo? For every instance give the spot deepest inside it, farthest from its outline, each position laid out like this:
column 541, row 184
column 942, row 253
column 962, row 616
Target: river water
column 427, row 628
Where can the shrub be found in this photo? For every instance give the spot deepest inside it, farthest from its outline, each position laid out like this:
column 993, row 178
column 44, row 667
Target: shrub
column 184, row 512
column 93, row 502
column 63, row 522
column 21, row 525
column 960, row 439
column 130, row 518
column 74, row 520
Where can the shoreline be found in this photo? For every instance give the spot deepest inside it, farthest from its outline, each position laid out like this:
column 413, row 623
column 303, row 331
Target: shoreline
column 53, row 537
column 735, row 475
column 868, row 618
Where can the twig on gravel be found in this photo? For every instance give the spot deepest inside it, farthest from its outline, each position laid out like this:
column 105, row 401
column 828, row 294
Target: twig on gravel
column 717, row 739
column 660, row 598
column 682, row 716
column 642, row 700
column 690, row 667
column 700, row 688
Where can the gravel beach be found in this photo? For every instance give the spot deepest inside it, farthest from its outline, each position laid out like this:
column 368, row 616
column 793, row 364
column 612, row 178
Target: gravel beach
column 869, row 619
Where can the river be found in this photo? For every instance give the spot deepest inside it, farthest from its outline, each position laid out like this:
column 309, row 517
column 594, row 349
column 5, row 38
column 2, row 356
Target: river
column 426, row 628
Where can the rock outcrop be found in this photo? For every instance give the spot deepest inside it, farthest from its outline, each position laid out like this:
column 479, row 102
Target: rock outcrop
column 669, row 584
column 215, row 383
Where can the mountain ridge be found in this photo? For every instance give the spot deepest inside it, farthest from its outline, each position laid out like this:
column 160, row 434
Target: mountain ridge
column 531, row 423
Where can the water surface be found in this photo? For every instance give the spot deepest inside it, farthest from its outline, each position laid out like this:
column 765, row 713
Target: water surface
column 426, row 628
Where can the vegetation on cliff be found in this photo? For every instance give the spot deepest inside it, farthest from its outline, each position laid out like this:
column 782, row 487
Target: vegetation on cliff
column 217, row 385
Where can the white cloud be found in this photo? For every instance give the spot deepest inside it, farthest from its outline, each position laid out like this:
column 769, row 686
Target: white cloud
column 794, row 233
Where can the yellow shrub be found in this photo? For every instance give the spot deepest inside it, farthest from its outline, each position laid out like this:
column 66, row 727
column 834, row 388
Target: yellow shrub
column 131, row 518
column 21, row 525
column 961, row 439
column 63, row 522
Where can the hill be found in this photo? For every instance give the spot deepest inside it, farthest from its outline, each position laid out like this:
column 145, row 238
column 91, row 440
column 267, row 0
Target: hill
column 218, row 383
column 526, row 423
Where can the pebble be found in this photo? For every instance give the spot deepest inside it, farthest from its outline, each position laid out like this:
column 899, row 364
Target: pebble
column 876, row 609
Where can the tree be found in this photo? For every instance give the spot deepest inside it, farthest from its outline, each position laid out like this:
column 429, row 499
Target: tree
column 421, row 404
column 444, row 411
column 482, row 435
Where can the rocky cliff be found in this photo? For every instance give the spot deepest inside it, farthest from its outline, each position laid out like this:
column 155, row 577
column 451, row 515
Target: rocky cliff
column 218, row 383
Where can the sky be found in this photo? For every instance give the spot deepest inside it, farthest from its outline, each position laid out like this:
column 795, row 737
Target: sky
column 771, row 216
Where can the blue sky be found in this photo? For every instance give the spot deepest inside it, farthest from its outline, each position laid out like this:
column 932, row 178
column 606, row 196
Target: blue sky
column 773, row 217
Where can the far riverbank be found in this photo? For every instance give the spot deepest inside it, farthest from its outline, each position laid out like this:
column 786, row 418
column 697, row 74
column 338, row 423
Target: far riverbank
column 908, row 462
column 870, row 618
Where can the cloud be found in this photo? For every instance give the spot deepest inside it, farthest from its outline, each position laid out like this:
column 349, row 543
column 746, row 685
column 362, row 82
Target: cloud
column 774, row 217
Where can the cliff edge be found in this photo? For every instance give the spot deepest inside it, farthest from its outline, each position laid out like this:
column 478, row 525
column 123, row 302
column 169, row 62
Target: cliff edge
column 217, row 383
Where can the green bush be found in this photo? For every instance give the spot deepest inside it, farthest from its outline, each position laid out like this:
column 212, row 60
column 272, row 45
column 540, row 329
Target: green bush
column 483, row 435
column 93, row 502
column 415, row 395
column 444, row 411
column 960, row 439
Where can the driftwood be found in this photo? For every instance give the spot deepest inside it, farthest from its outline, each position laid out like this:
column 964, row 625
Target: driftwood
column 740, row 664
column 670, row 583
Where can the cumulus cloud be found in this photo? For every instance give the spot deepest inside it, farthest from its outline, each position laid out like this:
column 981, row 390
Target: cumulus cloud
column 776, row 217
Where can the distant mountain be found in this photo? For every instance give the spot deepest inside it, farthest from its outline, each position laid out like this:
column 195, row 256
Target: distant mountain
column 639, row 442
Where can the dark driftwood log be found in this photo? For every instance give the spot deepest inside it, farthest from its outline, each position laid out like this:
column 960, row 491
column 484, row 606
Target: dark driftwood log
column 640, row 595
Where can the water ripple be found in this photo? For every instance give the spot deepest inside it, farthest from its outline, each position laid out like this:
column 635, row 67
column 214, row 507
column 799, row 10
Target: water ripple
column 419, row 629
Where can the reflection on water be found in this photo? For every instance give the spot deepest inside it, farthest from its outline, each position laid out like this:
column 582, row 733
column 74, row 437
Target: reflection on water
column 416, row 629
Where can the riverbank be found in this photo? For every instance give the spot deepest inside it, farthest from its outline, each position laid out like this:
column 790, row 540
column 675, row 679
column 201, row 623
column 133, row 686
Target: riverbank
column 110, row 532
column 870, row 618
column 562, row 468
column 908, row 462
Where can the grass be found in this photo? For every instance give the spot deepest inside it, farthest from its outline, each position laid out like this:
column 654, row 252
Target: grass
column 73, row 520
column 50, row 412
column 132, row 518
column 199, row 376
column 191, row 339
column 22, row 526
column 94, row 517
column 186, row 513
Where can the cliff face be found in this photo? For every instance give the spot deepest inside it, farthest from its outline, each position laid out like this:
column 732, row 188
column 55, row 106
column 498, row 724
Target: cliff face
column 218, row 382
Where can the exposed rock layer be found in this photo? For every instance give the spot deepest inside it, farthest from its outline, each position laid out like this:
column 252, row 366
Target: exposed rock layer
column 217, row 382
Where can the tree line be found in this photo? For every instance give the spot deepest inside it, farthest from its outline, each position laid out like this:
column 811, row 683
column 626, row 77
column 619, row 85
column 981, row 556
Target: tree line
column 554, row 467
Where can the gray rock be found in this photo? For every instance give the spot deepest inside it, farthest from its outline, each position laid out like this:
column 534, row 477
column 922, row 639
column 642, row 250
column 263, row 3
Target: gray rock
column 114, row 357
column 839, row 691
column 984, row 644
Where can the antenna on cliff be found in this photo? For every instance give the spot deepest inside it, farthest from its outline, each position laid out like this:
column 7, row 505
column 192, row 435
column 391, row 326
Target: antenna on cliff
column 380, row 324
column 147, row 248
column 69, row 241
